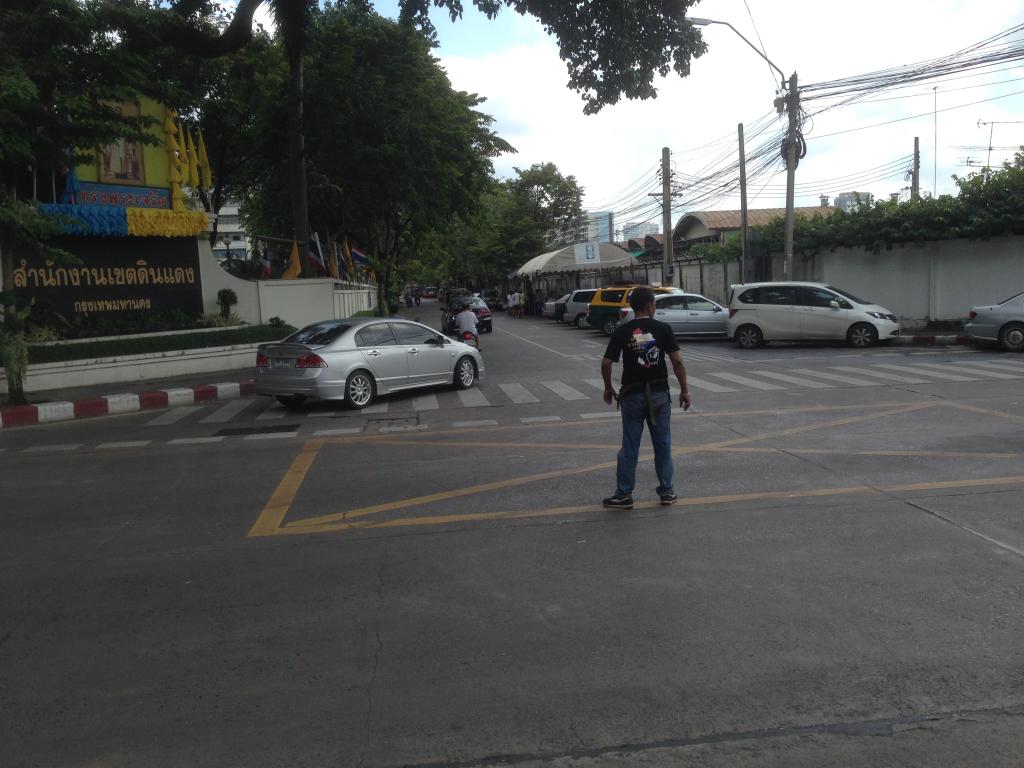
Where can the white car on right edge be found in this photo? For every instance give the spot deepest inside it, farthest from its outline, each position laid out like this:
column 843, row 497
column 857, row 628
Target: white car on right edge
column 797, row 311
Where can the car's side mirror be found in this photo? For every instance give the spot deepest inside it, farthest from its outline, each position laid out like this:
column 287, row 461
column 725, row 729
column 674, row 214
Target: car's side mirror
column 717, row 309
column 834, row 304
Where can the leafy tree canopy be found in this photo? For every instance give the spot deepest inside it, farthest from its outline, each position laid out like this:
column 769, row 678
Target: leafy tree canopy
column 612, row 48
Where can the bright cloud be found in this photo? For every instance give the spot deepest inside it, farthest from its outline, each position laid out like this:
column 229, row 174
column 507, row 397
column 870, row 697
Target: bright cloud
column 525, row 86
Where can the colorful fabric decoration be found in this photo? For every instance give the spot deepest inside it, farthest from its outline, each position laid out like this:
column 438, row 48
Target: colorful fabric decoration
column 293, row 268
column 98, row 220
column 151, row 222
column 267, row 272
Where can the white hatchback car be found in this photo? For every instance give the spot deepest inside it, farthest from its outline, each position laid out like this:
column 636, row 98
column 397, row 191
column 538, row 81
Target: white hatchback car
column 795, row 311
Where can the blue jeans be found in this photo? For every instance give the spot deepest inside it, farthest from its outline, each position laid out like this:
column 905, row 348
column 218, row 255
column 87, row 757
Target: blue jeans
column 634, row 414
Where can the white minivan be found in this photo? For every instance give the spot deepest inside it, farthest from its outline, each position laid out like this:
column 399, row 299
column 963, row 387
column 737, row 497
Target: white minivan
column 795, row 311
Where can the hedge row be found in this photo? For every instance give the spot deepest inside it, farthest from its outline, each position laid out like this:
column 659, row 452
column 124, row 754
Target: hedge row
column 118, row 347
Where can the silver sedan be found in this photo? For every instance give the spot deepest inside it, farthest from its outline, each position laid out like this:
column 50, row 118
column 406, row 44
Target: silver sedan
column 357, row 359
column 1002, row 323
column 689, row 314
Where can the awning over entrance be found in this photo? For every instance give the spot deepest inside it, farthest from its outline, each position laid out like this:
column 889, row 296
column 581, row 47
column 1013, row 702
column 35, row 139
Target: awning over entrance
column 608, row 256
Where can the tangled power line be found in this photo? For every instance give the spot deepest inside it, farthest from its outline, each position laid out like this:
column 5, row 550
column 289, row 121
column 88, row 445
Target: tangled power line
column 715, row 164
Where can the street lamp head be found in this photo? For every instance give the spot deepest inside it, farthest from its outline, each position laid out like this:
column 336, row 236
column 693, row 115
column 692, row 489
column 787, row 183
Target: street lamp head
column 699, row 22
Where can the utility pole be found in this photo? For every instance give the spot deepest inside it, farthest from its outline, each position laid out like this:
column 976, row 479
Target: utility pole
column 666, row 213
column 745, row 270
column 793, row 104
column 915, row 184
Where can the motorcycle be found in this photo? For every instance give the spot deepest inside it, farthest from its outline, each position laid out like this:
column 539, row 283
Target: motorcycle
column 468, row 337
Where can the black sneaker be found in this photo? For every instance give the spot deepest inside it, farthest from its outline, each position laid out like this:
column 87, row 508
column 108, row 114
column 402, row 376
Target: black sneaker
column 618, row 502
column 668, row 498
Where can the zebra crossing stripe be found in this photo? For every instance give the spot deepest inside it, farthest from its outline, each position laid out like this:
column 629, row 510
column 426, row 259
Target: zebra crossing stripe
column 226, row 412
column 1011, row 365
column 126, row 444
column 597, row 384
column 518, row 394
column 195, row 440
column 174, row 415
column 710, row 386
column 273, row 411
column 425, row 403
column 539, row 419
column 46, row 448
column 479, row 423
column 754, row 383
column 977, row 371
column 473, row 398
column 934, row 374
column 564, row 391
column 880, row 375
column 849, row 381
column 794, row 380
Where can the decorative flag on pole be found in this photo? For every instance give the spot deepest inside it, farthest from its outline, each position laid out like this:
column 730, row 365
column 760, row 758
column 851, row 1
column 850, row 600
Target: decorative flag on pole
column 266, row 261
column 361, row 258
column 293, row 269
column 204, row 163
column 316, row 254
column 332, row 256
column 193, row 162
column 350, row 268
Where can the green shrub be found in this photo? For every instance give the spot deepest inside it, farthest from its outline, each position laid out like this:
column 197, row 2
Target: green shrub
column 226, row 299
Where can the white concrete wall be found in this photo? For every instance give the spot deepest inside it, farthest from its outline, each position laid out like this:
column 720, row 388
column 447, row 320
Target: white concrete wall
column 215, row 278
column 297, row 302
column 935, row 281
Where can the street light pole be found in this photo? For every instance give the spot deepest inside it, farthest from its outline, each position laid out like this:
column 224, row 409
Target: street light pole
column 792, row 102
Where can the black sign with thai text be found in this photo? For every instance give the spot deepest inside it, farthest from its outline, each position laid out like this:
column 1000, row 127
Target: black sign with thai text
column 116, row 274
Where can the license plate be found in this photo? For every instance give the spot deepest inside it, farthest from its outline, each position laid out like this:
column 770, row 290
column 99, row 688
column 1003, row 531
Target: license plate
column 278, row 362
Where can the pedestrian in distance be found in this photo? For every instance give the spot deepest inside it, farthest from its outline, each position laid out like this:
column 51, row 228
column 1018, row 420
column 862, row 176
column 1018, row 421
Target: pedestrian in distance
column 516, row 298
column 644, row 397
column 508, row 303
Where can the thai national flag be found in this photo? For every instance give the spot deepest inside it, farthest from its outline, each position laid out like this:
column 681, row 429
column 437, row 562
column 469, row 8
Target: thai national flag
column 360, row 257
column 266, row 261
column 316, row 254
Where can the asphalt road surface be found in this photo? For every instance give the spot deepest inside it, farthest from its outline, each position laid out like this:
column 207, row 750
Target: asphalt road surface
column 435, row 583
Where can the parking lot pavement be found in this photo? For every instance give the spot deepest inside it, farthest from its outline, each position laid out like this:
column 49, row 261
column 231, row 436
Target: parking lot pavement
column 839, row 583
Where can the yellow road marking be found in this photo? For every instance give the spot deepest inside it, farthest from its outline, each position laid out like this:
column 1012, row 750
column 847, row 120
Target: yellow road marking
column 417, row 501
column 986, row 411
column 897, row 454
column 692, row 502
column 273, row 514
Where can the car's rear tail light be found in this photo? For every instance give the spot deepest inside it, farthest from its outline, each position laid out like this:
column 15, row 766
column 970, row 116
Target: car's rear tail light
column 310, row 361
column 732, row 313
column 262, row 361
column 973, row 314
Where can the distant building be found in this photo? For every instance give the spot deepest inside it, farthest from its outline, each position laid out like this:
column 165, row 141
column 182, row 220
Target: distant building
column 848, row 201
column 601, row 226
column 638, row 230
column 230, row 234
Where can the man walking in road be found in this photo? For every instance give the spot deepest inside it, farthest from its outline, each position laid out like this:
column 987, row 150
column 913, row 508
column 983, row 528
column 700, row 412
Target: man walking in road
column 644, row 343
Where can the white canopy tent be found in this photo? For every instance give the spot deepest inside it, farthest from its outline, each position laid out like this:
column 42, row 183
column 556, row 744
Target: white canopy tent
column 581, row 257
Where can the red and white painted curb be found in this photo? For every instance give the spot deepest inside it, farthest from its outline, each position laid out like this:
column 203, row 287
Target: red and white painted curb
column 106, row 405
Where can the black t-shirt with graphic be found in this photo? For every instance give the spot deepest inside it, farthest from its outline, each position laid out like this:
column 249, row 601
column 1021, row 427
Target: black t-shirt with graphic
column 644, row 344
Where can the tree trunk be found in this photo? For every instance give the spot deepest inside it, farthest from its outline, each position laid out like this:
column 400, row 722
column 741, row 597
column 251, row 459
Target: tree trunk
column 12, row 326
column 297, row 163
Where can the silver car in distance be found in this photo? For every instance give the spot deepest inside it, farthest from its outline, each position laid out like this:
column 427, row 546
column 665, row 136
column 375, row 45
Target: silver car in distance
column 1002, row 323
column 357, row 359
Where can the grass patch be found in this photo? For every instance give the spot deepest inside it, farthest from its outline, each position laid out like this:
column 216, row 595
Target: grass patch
column 118, row 347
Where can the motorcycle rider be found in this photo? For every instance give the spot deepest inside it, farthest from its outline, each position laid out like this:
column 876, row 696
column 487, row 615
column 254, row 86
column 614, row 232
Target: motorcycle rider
column 465, row 321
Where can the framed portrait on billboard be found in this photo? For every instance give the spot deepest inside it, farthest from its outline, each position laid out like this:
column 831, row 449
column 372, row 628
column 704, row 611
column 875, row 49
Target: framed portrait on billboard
column 121, row 161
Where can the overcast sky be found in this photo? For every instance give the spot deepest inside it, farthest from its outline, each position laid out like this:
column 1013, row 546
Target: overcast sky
column 515, row 65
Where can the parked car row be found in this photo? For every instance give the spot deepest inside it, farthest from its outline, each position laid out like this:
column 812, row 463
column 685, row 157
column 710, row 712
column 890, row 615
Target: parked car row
column 757, row 313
